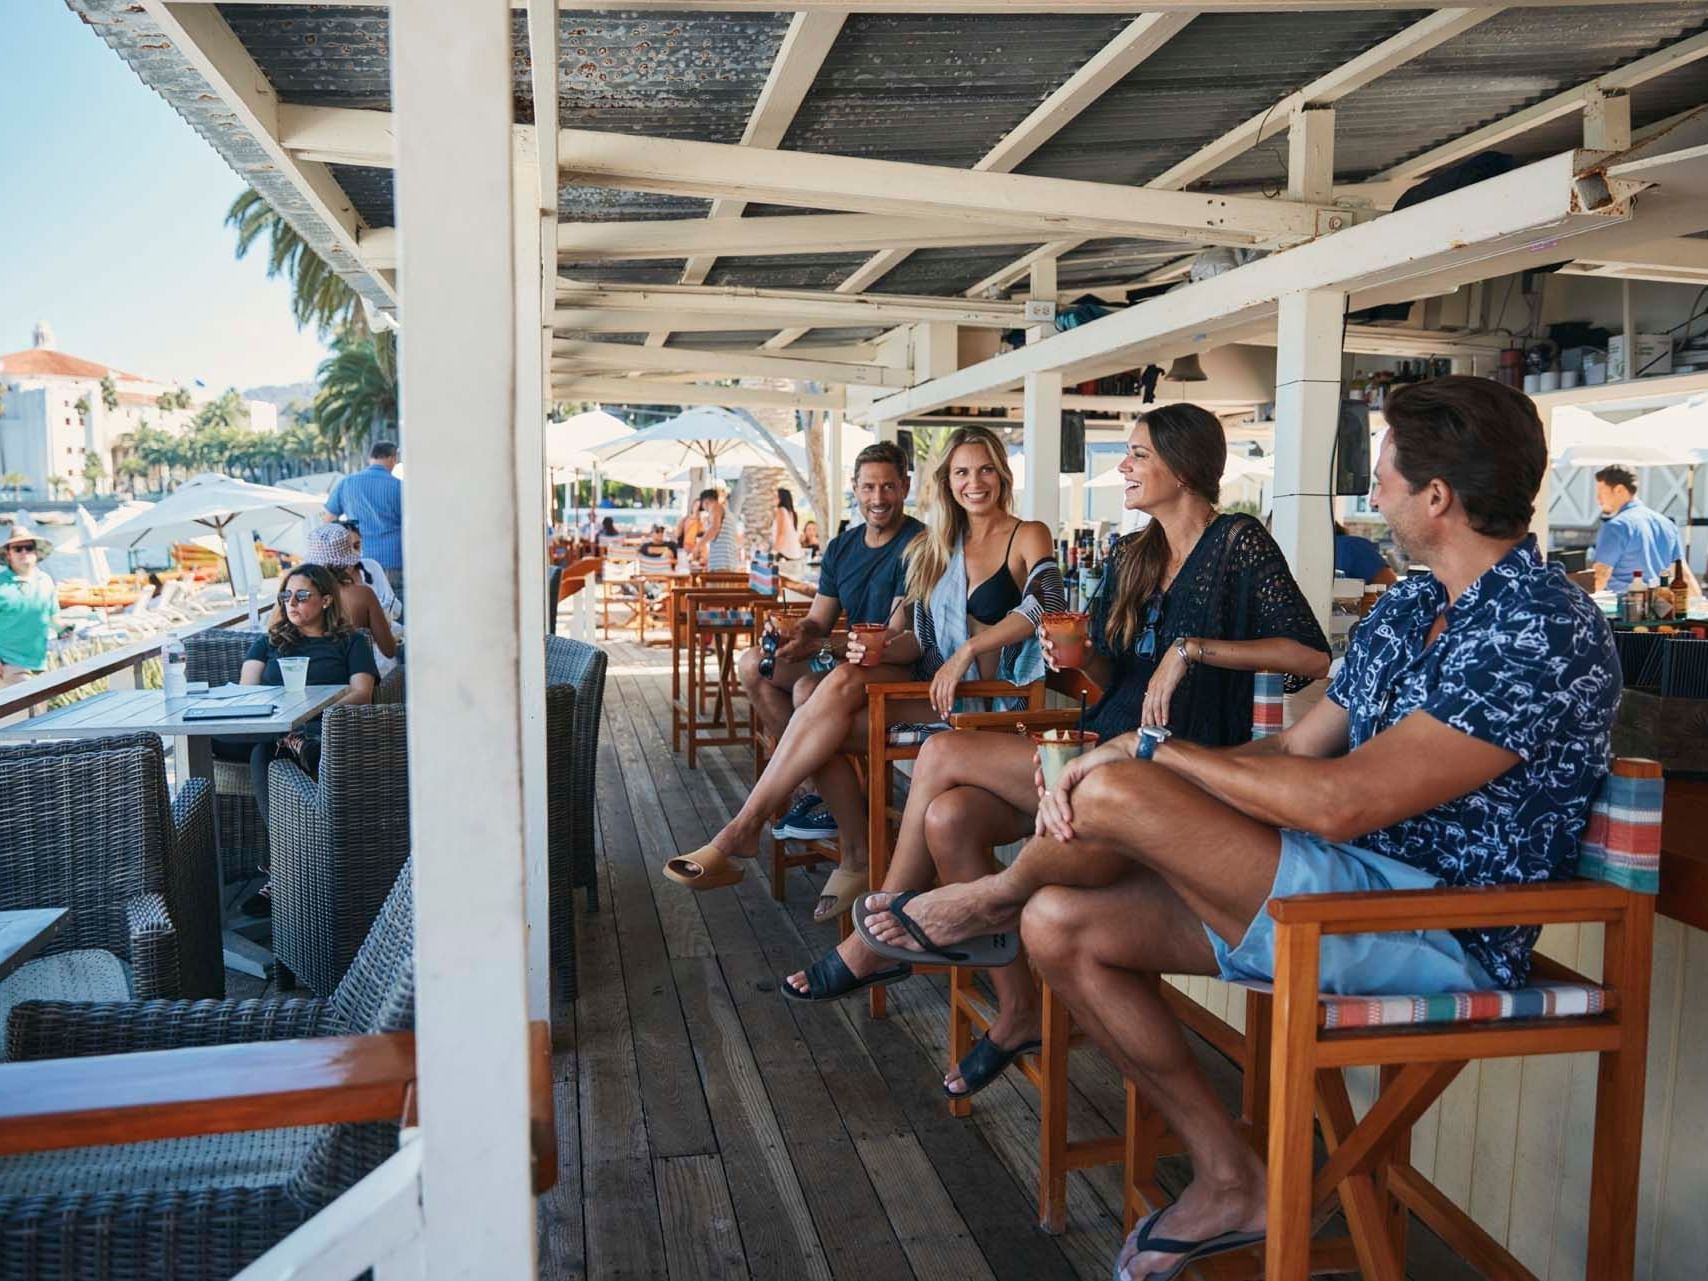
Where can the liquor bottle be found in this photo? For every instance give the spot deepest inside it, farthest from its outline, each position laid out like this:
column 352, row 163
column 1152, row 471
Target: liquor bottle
column 1680, row 585
column 1070, row 579
column 1636, row 598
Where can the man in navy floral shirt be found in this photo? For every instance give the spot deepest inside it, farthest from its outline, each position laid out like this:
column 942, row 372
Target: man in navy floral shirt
column 1460, row 744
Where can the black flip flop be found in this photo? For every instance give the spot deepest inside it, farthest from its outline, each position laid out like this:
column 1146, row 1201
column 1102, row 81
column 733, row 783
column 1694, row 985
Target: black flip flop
column 983, row 952
column 830, row 979
column 985, row 1062
column 1190, row 1252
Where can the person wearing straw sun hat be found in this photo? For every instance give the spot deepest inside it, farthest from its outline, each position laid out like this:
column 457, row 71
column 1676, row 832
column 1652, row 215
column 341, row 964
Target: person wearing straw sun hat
column 29, row 605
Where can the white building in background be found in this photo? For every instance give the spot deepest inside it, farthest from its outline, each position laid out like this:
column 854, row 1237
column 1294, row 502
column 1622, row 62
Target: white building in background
column 42, row 435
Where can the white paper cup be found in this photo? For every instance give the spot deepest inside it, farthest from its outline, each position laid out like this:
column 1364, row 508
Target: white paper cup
column 294, row 672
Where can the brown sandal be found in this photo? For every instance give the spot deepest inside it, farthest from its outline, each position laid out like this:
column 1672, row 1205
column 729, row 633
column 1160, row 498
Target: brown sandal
column 707, row 868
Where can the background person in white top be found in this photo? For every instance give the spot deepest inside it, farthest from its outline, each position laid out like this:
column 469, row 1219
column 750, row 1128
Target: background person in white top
column 785, row 527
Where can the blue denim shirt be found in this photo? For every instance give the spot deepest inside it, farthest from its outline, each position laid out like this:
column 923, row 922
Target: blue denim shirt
column 373, row 498
column 1525, row 662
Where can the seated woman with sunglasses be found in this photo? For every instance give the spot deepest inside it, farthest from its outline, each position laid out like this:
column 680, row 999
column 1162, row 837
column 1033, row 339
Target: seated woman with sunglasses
column 308, row 623
column 1191, row 608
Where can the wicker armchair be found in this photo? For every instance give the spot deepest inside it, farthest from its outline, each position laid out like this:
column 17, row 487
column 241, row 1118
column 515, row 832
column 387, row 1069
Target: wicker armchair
column 90, row 826
column 338, row 841
column 197, row 1209
column 216, row 656
column 578, row 664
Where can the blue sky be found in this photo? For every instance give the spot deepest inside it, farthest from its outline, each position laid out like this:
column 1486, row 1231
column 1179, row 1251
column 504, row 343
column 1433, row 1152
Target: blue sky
column 112, row 221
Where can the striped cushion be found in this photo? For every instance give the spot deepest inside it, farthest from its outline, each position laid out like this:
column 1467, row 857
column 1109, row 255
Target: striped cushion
column 1538, row 1001
column 1622, row 842
column 725, row 617
column 914, row 732
column 1267, row 692
column 762, row 576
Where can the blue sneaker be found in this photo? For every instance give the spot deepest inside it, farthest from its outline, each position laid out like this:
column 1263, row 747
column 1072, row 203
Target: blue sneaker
column 798, row 811
column 815, row 825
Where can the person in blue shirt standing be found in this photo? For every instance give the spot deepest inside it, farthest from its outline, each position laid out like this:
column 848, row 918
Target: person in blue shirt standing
column 373, row 498
column 1460, row 744
column 1634, row 537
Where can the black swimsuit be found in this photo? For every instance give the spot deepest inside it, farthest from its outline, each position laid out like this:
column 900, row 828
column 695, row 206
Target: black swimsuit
column 991, row 601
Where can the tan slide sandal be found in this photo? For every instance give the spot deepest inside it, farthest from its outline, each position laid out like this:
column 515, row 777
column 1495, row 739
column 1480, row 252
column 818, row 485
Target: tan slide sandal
column 707, row 868
column 843, row 886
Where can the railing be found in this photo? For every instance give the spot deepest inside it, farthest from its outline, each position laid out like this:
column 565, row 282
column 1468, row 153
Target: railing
column 375, row 1225
column 121, row 667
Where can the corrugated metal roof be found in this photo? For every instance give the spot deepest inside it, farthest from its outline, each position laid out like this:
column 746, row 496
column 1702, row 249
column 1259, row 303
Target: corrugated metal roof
column 1221, row 70
column 939, row 90
column 943, row 89
column 1505, row 64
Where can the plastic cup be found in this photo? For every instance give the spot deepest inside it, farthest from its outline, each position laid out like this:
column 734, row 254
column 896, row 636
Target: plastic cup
column 294, row 672
column 1069, row 633
column 872, row 637
column 1056, row 747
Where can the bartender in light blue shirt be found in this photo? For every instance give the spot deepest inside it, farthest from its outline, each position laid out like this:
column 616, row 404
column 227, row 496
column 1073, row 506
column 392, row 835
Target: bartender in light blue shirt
column 373, row 499
column 1634, row 538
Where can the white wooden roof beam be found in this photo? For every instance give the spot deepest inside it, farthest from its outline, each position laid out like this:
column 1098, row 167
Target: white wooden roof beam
column 767, row 237
column 1375, row 62
column 627, row 358
column 568, row 385
column 1431, row 246
column 208, row 43
column 1102, row 71
column 739, row 308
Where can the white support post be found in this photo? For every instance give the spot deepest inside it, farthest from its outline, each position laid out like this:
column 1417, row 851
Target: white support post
column 1544, row 494
column 1310, row 155
column 889, row 429
column 531, row 570
column 1042, row 434
column 1307, row 407
column 836, row 472
column 936, row 350
column 451, row 86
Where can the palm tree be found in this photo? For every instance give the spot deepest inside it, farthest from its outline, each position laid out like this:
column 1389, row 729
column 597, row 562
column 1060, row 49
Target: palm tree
column 171, row 400
column 93, row 470
column 57, row 484
column 318, row 296
column 109, row 394
column 130, row 469
column 15, row 481
column 357, row 401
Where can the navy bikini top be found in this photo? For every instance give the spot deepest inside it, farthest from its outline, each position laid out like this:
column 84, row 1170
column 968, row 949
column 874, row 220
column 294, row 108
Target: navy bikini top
column 992, row 599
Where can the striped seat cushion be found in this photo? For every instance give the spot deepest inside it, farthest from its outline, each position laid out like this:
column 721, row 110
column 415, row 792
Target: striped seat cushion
column 1268, row 694
column 724, row 617
column 911, row 733
column 1538, row 1001
column 762, row 577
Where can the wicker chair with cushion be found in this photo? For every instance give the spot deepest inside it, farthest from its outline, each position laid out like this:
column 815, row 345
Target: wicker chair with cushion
column 89, row 827
column 200, row 1208
column 338, row 841
column 216, row 656
column 578, row 664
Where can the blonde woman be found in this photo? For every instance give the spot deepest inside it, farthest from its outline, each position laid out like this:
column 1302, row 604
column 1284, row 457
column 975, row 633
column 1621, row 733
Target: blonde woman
column 976, row 583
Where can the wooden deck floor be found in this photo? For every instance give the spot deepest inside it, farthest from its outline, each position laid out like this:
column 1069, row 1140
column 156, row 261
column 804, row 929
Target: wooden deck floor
column 709, row 1129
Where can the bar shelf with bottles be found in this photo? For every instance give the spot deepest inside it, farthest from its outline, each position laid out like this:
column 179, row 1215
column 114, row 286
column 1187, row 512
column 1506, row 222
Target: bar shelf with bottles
column 1661, row 636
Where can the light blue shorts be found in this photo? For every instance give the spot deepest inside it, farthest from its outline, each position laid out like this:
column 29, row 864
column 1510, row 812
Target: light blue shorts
column 1401, row 964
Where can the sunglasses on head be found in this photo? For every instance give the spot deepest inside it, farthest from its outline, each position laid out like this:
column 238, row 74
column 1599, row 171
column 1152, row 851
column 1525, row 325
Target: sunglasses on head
column 301, row 596
column 21, row 547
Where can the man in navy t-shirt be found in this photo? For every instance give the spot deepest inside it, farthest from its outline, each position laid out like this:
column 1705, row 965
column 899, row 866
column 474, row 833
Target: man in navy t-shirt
column 1461, row 745
column 861, row 575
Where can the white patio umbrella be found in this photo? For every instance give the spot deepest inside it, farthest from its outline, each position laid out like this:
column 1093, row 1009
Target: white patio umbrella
column 1259, row 470
column 319, row 483
column 235, row 510
column 570, row 444
column 706, row 436
column 854, row 439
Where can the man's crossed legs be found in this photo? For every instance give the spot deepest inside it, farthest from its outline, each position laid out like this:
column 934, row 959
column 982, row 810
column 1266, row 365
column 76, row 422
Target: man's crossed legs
column 1154, row 860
